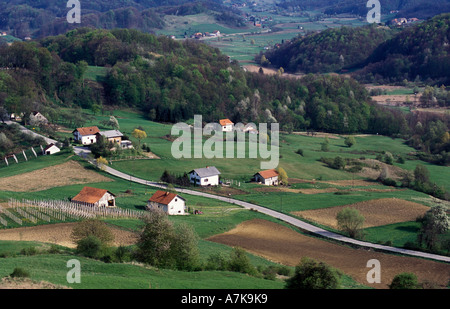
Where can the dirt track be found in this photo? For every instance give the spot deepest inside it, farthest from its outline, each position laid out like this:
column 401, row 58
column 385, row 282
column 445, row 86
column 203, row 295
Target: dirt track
column 281, row 244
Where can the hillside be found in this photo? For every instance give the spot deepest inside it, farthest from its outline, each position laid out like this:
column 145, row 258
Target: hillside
column 24, row 18
column 402, row 8
column 420, row 52
column 330, row 50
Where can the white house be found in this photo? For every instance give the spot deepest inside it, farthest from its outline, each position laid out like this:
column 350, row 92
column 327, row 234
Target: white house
column 226, row 124
column 170, row 203
column 95, row 197
column 86, row 135
column 51, row 149
column 267, row 177
column 207, row 176
column 36, row 118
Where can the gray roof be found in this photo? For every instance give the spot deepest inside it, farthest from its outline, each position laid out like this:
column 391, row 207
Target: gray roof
column 111, row 133
column 207, row 171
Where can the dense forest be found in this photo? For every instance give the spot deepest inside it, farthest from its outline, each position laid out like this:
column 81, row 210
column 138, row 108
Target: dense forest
column 171, row 81
column 421, row 52
column 418, row 53
column 42, row 18
column 328, row 51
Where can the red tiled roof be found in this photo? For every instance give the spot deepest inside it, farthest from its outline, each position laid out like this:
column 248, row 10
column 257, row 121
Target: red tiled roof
column 90, row 195
column 224, row 122
column 268, row 173
column 162, row 197
column 88, row 130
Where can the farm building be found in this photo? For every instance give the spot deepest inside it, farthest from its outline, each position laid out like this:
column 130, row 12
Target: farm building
column 51, row 149
column 207, row 176
column 170, row 203
column 114, row 136
column 267, row 177
column 86, row 135
column 227, row 125
column 95, row 197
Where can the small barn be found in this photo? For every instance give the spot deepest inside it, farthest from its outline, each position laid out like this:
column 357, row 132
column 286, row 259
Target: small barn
column 95, row 197
column 86, row 135
column 51, row 149
column 207, row 176
column 267, row 177
column 170, row 203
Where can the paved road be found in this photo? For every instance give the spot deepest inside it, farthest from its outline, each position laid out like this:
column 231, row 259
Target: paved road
column 27, row 131
column 291, row 220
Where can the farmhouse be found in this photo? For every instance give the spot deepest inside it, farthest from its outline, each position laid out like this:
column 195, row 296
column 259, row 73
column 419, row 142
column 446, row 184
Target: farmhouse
column 227, row 125
column 114, row 136
column 207, row 176
column 51, row 149
column 267, row 177
column 86, row 135
column 95, row 197
column 170, row 203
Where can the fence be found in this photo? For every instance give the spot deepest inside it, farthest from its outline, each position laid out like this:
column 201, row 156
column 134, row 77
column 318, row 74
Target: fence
column 22, row 156
column 51, row 210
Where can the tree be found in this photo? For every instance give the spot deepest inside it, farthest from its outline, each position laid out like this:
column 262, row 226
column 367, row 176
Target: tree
column 339, row 163
column 139, row 134
column 350, row 221
column 350, row 141
column 90, row 246
column 112, row 122
column 404, row 281
column 312, row 274
column 283, row 177
column 434, row 223
column 101, row 163
column 421, row 174
column 240, row 262
column 92, row 227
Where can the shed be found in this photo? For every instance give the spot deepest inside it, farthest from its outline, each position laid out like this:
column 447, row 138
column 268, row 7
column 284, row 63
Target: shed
column 267, row 177
column 95, row 197
column 51, row 149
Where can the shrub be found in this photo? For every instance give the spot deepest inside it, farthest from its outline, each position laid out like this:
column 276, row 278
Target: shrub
column 240, row 262
column 217, row 261
column 312, row 274
column 350, row 221
column 404, row 281
column 300, row 152
column 92, row 227
column 90, row 246
column 29, row 251
column 19, row 273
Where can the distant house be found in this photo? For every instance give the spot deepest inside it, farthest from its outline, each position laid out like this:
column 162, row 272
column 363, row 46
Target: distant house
column 207, row 176
column 250, row 128
column 170, row 203
column 267, row 177
column 51, row 149
column 36, row 118
column 216, row 33
column 114, row 136
column 227, row 125
column 86, row 135
column 95, row 197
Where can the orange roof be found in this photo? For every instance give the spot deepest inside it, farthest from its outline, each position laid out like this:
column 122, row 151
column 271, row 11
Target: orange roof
column 162, row 197
column 224, row 122
column 268, row 173
column 88, row 130
column 90, row 195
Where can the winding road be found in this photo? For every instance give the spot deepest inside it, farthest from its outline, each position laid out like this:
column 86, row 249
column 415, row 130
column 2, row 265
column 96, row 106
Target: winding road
column 83, row 151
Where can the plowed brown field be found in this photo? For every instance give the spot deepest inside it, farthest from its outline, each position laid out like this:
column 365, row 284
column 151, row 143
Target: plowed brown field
column 283, row 245
column 376, row 212
column 59, row 234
